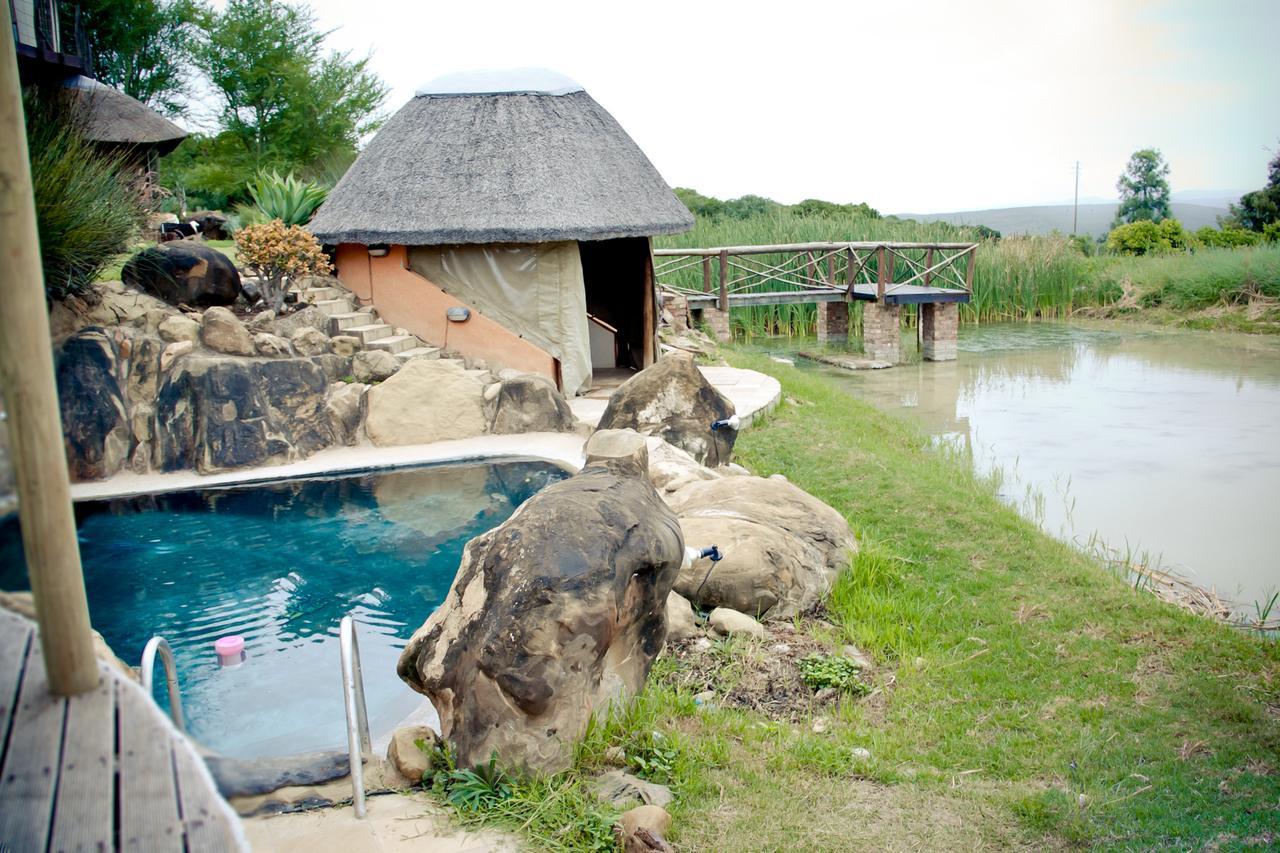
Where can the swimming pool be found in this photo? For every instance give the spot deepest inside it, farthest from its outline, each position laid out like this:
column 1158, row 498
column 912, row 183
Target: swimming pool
column 281, row 564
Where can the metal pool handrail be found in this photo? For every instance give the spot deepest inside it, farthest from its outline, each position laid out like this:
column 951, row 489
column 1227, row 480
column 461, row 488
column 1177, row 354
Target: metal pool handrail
column 359, row 746
column 159, row 644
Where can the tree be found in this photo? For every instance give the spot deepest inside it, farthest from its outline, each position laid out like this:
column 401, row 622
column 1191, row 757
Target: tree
column 1144, row 237
column 287, row 105
column 1260, row 207
column 1144, row 188
column 141, row 47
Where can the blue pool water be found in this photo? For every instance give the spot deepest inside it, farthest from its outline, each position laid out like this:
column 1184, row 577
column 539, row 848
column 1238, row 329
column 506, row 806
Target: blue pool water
column 281, row 564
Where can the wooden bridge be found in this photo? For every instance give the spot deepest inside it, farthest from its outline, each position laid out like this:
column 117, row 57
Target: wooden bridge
column 885, row 273
column 934, row 277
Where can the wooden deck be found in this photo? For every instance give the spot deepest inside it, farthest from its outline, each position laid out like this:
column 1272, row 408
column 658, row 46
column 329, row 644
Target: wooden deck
column 105, row 770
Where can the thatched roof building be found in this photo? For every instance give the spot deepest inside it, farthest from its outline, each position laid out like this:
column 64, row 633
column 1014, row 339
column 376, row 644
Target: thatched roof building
column 114, row 119
column 500, row 167
column 517, row 196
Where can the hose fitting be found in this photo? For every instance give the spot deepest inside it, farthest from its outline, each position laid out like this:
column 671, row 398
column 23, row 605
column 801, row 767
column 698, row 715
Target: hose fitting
column 732, row 422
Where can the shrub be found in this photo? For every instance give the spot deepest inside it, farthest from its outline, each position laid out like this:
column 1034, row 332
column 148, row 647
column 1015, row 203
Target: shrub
column 87, row 209
column 1271, row 232
column 279, row 254
column 1227, row 238
column 288, row 199
column 1145, row 237
column 819, row 671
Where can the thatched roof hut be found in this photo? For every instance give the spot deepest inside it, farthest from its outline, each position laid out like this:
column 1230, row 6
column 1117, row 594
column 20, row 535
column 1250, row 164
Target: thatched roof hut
column 496, row 166
column 114, row 119
column 519, row 197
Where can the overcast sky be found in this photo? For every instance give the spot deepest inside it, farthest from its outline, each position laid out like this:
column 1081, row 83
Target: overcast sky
column 909, row 106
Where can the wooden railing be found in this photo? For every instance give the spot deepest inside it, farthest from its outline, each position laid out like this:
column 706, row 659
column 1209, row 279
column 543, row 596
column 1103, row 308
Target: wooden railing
column 819, row 272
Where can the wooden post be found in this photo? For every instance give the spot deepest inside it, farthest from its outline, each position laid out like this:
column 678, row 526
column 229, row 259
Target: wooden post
column 881, row 280
column 831, row 269
column 851, row 278
column 968, row 273
column 706, row 275
column 811, row 269
column 31, row 402
column 928, row 266
column 724, row 281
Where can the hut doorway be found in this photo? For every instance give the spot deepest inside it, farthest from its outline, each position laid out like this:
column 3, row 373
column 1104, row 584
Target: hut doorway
column 618, row 279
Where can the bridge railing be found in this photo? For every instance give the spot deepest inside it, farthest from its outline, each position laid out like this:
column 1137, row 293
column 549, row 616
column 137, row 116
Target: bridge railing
column 817, row 272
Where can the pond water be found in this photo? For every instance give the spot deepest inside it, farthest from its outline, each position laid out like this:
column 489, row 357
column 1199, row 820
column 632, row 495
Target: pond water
column 1155, row 441
column 281, row 564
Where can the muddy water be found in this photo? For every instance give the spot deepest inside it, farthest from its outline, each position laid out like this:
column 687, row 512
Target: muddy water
column 1156, row 441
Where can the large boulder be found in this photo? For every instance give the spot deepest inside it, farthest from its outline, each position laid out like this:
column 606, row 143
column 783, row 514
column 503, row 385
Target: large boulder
column 673, row 400
column 95, row 420
column 216, row 414
column 426, row 401
column 223, row 331
column 783, row 548
column 345, row 405
column 530, row 403
column 184, row 273
column 553, row 615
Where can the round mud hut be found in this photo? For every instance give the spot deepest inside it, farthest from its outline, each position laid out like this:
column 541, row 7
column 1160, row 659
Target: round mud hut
column 507, row 216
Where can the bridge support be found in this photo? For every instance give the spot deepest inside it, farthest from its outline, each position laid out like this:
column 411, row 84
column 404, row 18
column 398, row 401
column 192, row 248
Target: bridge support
column 939, row 330
column 881, row 332
column 833, row 322
column 717, row 323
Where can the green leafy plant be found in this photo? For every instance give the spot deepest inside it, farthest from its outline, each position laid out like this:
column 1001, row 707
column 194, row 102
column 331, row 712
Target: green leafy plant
column 652, row 756
column 288, row 199
column 819, row 671
column 479, row 788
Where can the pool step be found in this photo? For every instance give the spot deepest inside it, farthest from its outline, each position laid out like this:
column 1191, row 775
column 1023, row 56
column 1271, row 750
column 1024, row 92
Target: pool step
column 417, row 352
column 334, row 306
column 395, row 343
column 370, row 333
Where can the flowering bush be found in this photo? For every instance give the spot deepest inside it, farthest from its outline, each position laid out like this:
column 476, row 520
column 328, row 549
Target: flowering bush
column 278, row 254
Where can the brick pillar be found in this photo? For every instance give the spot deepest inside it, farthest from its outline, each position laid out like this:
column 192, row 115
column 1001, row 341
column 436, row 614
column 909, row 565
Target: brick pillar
column 717, row 322
column 881, row 333
column 833, row 322
column 939, row 330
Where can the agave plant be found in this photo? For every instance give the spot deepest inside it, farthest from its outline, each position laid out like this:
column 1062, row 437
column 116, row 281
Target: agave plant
column 288, row 199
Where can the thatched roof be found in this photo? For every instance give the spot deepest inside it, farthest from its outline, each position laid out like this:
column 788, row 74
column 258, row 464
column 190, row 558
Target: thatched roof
column 113, row 117
column 507, row 165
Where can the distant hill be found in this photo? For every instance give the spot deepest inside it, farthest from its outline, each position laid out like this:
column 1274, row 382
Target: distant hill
column 1094, row 218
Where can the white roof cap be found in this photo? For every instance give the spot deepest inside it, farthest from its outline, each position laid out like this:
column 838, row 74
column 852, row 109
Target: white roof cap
column 511, row 81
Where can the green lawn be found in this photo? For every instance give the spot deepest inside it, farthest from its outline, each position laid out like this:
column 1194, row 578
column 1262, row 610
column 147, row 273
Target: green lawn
column 1027, row 698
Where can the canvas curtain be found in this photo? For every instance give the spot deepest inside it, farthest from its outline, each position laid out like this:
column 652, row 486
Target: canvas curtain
column 534, row 289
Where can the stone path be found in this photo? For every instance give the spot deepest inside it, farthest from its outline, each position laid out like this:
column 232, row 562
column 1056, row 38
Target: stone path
column 751, row 393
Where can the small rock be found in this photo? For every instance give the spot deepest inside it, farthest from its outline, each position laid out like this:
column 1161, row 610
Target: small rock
column 820, row 726
column 725, row 622
column 616, row 755
column 261, row 321
column 826, row 695
column 272, row 346
column 861, row 754
column 623, row 789
column 346, row 345
column 680, row 621
column 309, row 341
column 411, row 761
column 705, row 699
column 177, row 327
column 854, row 654
column 491, row 391
column 702, row 644
column 643, row 830
column 373, row 366
column 780, row 649
column 173, row 352
column 154, row 317
column 223, row 332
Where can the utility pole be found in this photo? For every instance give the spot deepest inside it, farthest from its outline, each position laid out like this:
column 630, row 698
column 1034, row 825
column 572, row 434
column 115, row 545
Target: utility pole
column 1075, row 207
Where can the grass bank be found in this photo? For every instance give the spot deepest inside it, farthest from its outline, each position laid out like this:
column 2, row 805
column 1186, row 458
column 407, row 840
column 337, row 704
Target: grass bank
column 1024, row 697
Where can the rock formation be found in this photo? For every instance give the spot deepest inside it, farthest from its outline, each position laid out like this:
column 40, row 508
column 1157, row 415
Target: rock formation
column 553, row 615
column 94, row 417
column 673, row 400
column 184, row 273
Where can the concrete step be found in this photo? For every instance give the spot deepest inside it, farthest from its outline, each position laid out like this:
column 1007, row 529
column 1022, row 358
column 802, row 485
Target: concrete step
column 341, row 322
column 317, row 294
column 342, row 305
column 395, row 343
column 370, row 333
column 418, row 352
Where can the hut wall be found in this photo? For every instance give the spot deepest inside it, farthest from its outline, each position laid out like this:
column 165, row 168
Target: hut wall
column 406, row 299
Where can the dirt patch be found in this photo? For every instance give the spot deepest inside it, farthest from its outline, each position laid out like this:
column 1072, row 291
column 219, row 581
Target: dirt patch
column 758, row 675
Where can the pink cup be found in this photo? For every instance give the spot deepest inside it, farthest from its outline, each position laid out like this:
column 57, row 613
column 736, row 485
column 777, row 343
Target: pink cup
column 230, row 650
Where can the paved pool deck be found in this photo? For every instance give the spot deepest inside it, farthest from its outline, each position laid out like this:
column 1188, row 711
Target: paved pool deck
column 750, row 392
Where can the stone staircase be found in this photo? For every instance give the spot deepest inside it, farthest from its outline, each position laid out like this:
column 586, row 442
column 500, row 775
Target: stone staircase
column 346, row 317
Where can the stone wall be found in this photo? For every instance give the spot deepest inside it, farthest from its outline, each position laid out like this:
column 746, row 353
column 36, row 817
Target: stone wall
column 881, row 332
column 939, row 331
column 833, row 322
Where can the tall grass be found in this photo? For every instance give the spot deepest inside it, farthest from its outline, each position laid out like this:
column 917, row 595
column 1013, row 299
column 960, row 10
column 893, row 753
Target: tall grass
column 1190, row 282
column 1015, row 278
